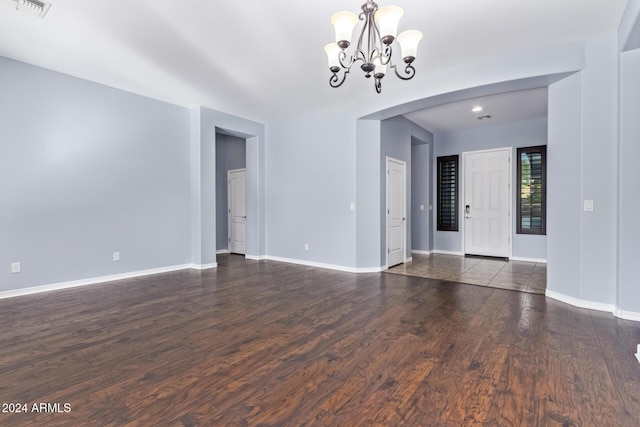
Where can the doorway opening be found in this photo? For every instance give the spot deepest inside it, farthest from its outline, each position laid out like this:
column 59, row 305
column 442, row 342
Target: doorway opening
column 231, row 153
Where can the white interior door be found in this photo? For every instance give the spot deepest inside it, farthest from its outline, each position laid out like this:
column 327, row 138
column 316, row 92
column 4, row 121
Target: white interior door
column 396, row 212
column 487, row 203
column 237, row 212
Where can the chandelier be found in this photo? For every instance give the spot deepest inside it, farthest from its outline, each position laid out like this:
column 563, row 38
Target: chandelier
column 374, row 44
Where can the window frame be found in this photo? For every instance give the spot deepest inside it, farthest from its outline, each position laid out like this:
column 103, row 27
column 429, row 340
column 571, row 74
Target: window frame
column 542, row 231
column 440, row 161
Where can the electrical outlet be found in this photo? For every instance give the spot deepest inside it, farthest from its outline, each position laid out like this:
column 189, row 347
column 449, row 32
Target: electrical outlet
column 588, row 205
column 306, row 246
column 116, row 256
column 421, row 207
column 15, row 267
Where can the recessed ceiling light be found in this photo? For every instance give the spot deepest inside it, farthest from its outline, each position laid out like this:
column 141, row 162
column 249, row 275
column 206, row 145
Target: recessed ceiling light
column 484, row 117
column 476, row 109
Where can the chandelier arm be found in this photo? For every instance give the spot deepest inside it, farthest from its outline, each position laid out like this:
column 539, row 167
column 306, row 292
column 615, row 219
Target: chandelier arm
column 375, row 53
column 373, row 38
column 362, row 17
column 386, row 54
column 342, row 56
column 360, row 55
column 384, row 51
column 408, row 70
column 335, row 81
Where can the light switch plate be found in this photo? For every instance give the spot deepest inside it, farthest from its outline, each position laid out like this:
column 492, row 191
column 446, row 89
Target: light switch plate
column 15, row 267
column 588, row 205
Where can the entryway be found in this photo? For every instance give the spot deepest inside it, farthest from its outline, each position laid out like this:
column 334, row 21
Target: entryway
column 487, row 202
column 530, row 277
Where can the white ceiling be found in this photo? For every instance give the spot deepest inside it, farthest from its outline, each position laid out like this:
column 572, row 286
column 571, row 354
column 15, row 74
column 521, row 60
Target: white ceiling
column 502, row 108
column 264, row 59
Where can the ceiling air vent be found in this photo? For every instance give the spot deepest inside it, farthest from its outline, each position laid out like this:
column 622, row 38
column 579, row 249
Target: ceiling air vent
column 484, row 117
column 37, row 8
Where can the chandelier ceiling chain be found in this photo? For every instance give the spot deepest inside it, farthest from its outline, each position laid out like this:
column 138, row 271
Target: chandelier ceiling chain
column 374, row 48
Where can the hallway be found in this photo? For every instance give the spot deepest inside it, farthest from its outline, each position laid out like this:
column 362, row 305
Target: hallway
column 520, row 276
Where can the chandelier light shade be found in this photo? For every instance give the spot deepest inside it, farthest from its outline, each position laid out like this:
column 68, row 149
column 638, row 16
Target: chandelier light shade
column 388, row 18
column 344, row 23
column 408, row 41
column 374, row 47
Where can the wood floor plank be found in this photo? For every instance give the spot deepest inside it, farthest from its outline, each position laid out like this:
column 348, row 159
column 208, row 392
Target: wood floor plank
column 622, row 366
column 596, row 397
column 513, row 402
column 259, row 343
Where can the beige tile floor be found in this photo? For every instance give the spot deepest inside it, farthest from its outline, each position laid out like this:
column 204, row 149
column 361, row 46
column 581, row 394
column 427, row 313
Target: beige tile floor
column 520, row 276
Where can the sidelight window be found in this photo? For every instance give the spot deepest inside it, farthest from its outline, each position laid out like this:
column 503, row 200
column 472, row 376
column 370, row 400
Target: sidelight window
column 532, row 190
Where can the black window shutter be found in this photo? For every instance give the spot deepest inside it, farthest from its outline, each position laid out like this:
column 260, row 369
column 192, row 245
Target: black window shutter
column 448, row 193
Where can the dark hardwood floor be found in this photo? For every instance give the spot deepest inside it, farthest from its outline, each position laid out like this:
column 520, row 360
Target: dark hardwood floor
column 266, row 343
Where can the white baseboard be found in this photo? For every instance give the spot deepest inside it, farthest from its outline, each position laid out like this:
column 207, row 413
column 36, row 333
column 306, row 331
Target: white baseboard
column 591, row 305
column 359, row 270
column 408, row 259
column 203, row 266
column 419, row 252
column 95, row 280
column 627, row 315
column 222, row 251
column 437, row 251
column 538, row 260
column 323, row 265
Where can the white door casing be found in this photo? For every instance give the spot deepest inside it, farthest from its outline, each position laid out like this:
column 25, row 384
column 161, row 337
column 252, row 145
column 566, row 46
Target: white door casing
column 396, row 212
column 237, row 219
column 487, row 202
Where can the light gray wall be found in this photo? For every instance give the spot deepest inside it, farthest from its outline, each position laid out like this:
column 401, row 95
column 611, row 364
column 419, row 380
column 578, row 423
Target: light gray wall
column 421, row 194
column 368, row 173
column 87, row 170
column 514, row 135
column 231, row 154
column 311, row 176
column 563, row 186
column 582, row 150
column 599, row 169
column 628, row 298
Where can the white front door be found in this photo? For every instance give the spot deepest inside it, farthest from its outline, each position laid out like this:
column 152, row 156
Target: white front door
column 487, row 202
column 396, row 212
column 237, row 213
